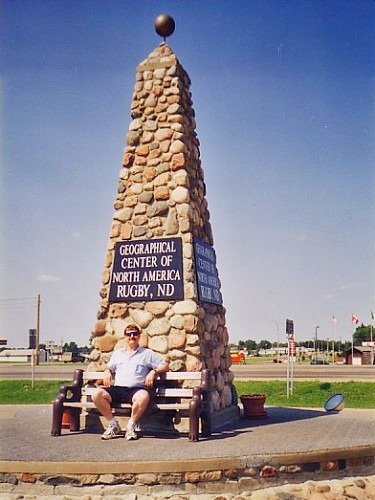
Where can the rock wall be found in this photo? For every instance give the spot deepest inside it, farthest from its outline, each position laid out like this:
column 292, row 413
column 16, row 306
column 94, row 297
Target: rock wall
column 227, row 484
column 161, row 193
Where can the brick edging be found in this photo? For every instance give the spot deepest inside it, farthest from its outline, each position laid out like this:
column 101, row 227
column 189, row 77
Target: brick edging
column 250, row 472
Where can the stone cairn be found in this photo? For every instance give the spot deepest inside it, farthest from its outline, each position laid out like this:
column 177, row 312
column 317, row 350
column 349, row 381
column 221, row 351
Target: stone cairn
column 161, row 193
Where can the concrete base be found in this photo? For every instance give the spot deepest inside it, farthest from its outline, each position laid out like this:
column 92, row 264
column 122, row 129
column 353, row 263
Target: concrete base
column 155, row 423
column 160, row 422
column 224, row 417
column 247, row 455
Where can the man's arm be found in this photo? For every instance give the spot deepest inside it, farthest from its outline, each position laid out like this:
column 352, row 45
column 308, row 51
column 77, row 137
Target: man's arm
column 107, row 377
column 151, row 376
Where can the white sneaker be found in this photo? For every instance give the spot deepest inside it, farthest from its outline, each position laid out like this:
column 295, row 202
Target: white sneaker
column 130, row 433
column 111, row 431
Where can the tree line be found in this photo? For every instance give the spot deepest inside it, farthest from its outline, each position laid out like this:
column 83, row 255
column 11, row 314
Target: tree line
column 363, row 333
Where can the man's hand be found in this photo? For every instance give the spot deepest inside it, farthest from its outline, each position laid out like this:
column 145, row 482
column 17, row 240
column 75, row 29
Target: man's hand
column 107, row 378
column 149, row 380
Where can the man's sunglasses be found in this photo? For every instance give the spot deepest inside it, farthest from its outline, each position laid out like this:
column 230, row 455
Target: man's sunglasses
column 132, row 334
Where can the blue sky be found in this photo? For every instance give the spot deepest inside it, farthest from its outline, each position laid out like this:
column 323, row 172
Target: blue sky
column 284, row 98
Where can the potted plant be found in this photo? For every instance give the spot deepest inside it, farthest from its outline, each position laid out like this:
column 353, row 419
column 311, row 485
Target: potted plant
column 253, row 405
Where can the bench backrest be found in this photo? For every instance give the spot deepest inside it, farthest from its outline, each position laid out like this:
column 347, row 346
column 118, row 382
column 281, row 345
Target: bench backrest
column 160, row 391
column 165, row 376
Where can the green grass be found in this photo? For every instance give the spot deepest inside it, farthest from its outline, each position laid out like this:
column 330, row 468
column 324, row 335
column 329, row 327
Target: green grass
column 21, row 392
column 311, row 394
column 305, row 394
column 259, row 360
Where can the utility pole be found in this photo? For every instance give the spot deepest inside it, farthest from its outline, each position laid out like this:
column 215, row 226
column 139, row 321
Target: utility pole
column 316, row 343
column 37, row 328
column 291, row 351
column 278, row 339
column 372, row 347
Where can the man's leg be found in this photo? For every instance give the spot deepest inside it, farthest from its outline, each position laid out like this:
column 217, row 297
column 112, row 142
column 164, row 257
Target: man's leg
column 139, row 404
column 102, row 400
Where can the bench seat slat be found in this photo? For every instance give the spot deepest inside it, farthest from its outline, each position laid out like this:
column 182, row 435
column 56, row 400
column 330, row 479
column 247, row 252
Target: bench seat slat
column 159, row 392
column 165, row 376
column 181, row 376
column 161, row 406
column 173, row 393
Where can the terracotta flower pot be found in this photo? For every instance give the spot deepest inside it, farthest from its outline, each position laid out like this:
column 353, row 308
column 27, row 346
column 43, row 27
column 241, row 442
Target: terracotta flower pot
column 253, row 405
column 65, row 420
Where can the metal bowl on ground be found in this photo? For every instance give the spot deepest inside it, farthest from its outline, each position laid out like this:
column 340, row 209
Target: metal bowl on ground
column 335, row 403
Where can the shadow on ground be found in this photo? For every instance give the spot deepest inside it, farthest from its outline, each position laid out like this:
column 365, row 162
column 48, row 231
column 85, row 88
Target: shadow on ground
column 275, row 415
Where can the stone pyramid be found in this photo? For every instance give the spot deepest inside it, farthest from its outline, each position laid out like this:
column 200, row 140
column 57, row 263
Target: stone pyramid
column 160, row 269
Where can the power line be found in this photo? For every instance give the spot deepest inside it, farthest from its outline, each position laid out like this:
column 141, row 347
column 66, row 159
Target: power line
column 10, row 306
column 21, row 303
column 22, row 298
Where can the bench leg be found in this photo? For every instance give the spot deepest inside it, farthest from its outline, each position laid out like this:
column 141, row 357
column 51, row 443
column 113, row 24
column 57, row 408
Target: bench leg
column 206, row 424
column 74, row 414
column 194, row 420
column 57, row 416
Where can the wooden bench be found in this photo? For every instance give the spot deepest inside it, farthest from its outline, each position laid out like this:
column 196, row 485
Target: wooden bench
column 173, row 391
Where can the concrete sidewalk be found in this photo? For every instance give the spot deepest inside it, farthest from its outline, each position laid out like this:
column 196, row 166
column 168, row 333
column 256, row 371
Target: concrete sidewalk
column 307, row 434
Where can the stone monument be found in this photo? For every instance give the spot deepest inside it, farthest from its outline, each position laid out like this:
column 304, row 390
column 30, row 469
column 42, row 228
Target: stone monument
column 160, row 269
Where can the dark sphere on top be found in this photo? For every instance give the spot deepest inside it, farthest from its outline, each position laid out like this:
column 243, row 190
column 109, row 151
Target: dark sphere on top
column 164, row 25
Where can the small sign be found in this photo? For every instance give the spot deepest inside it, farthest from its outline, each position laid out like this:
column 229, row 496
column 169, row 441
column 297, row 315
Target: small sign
column 32, row 338
column 147, row 270
column 208, row 283
column 291, row 346
column 289, row 327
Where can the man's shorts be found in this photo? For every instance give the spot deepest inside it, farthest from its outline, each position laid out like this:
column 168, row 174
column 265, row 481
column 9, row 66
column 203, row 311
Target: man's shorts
column 120, row 394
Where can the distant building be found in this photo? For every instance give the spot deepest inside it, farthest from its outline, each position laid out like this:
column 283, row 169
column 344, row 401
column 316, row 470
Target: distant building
column 362, row 355
column 54, row 350
column 21, row 355
column 55, row 354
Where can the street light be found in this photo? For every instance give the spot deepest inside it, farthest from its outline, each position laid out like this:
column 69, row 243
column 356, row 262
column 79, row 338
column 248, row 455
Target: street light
column 316, row 343
column 277, row 330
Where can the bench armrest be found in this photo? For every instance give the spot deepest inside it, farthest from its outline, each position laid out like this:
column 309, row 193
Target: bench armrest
column 206, row 386
column 72, row 392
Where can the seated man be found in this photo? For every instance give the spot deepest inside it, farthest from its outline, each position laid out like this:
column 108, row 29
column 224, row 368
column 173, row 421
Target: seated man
column 135, row 369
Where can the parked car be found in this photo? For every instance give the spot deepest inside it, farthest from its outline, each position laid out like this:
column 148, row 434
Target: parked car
column 238, row 357
column 73, row 357
column 319, row 362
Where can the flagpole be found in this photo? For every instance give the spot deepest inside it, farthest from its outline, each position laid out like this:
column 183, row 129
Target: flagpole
column 333, row 341
column 355, row 321
column 334, row 322
column 372, row 348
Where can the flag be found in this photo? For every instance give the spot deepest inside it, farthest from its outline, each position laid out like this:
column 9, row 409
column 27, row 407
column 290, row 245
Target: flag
column 334, row 320
column 355, row 320
column 372, row 315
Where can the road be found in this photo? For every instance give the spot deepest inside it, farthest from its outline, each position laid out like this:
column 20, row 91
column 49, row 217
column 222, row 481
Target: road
column 266, row 371
column 45, row 372
column 306, row 372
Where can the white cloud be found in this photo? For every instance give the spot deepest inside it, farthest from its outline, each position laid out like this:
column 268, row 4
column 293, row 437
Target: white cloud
column 49, row 279
column 329, row 296
column 303, row 237
column 345, row 287
column 77, row 236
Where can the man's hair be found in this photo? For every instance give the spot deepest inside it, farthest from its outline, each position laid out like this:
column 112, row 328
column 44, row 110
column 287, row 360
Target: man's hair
column 132, row 328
